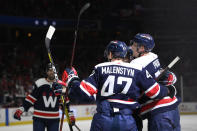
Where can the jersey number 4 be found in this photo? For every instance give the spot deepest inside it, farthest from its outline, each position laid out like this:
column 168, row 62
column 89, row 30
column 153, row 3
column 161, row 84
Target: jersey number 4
column 110, row 82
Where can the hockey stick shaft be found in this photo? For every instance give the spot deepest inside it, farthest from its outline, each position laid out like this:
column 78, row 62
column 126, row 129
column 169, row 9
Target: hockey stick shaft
column 169, row 67
column 65, row 112
column 85, row 7
column 66, row 105
column 77, row 127
column 49, row 35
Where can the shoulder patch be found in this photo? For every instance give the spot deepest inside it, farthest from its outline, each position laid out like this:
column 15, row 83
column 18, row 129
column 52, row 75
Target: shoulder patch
column 41, row 81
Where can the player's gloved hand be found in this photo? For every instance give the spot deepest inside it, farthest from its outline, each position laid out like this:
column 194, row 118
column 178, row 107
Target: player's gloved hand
column 72, row 117
column 57, row 88
column 69, row 75
column 62, row 83
column 18, row 113
column 169, row 78
column 171, row 91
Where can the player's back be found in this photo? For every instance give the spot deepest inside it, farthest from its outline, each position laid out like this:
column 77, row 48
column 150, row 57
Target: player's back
column 117, row 82
column 151, row 63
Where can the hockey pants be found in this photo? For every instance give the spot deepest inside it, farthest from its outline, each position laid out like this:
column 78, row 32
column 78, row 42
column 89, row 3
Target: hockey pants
column 166, row 121
column 40, row 125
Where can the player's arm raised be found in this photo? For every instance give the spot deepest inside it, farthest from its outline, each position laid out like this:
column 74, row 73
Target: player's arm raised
column 82, row 90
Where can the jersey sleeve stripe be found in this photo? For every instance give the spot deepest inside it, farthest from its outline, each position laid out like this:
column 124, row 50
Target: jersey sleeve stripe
column 153, row 91
column 30, row 99
column 122, row 101
column 88, row 88
column 89, row 84
column 157, row 104
column 84, row 90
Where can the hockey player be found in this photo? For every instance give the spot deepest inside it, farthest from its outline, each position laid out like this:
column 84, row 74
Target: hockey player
column 45, row 100
column 112, row 84
column 163, row 114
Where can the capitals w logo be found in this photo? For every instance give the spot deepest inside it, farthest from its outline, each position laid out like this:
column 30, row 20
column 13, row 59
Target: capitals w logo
column 50, row 101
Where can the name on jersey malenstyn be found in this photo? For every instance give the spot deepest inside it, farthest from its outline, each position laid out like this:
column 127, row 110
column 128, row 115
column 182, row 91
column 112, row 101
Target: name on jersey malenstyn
column 117, row 70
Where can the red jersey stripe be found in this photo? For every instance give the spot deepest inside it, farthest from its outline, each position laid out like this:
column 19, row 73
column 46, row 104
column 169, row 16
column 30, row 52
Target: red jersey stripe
column 152, row 93
column 30, row 98
column 46, row 114
column 157, row 103
column 88, row 88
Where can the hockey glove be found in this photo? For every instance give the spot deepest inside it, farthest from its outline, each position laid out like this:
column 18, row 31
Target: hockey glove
column 18, row 113
column 168, row 78
column 62, row 83
column 72, row 117
column 57, row 88
column 171, row 91
column 69, row 75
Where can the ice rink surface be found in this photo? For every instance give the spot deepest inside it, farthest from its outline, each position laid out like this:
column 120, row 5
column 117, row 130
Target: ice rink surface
column 188, row 123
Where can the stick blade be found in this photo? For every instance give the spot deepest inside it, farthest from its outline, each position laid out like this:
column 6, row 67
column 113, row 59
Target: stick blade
column 50, row 32
column 85, row 7
column 174, row 62
column 49, row 35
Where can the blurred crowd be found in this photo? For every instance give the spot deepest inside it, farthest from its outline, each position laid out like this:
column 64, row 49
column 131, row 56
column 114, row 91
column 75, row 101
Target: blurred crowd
column 69, row 8
column 21, row 66
column 16, row 75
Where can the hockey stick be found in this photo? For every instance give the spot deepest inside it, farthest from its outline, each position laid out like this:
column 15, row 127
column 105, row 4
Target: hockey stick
column 66, row 105
column 49, row 35
column 168, row 67
column 85, row 7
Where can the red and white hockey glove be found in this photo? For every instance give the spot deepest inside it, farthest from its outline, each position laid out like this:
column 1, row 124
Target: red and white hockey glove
column 169, row 78
column 18, row 113
column 69, row 75
column 72, row 118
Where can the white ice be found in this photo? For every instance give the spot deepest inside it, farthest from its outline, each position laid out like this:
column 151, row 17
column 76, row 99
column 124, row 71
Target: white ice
column 188, row 123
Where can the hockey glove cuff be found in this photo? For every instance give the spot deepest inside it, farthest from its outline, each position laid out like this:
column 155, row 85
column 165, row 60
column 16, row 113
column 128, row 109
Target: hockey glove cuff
column 69, row 75
column 18, row 113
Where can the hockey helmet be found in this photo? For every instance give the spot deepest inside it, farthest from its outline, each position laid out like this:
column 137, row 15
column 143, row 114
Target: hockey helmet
column 144, row 39
column 51, row 66
column 117, row 48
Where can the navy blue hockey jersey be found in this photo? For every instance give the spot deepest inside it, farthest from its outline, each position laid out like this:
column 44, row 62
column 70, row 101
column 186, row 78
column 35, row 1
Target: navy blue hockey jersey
column 44, row 101
column 118, row 82
column 151, row 63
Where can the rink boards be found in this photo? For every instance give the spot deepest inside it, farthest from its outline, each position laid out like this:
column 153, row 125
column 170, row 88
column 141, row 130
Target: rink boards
column 81, row 112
